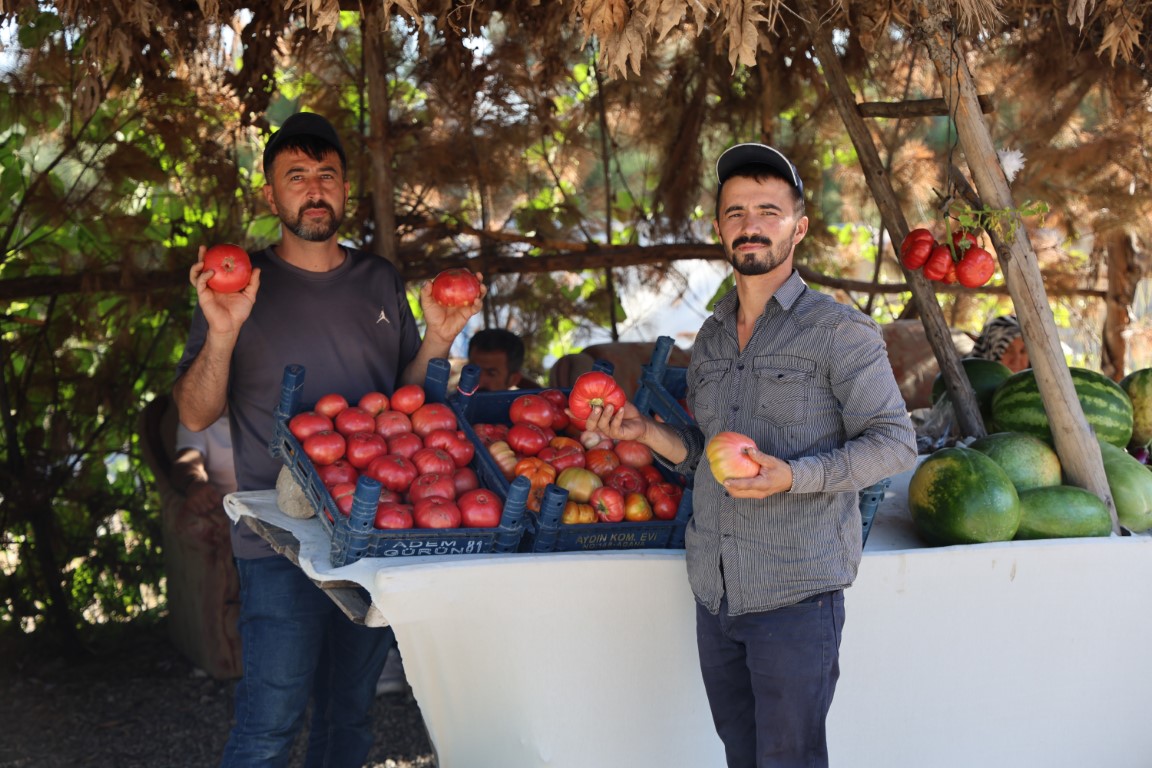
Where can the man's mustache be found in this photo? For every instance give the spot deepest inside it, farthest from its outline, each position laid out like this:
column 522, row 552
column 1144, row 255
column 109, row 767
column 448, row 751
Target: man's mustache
column 320, row 205
column 751, row 240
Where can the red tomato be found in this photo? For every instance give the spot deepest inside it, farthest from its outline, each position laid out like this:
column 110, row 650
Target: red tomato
column 504, row 457
column 636, row 508
column 728, row 458
column 963, row 240
column 364, row 447
column 432, row 416
column 433, row 460
column 393, row 515
column 342, row 494
column 665, row 500
column 454, row 443
column 559, row 402
column 527, row 439
column 392, row 423
column 308, row 423
column 633, row 453
column 230, row 265
column 592, row 440
column 601, row 461
column 395, row 473
column 975, row 268
column 408, row 398
column 436, row 512
column 651, row 474
column 579, row 483
column 456, row 287
column 374, row 402
column 324, row 447
column 626, row 480
column 354, row 419
column 465, row 479
column 490, row 433
column 916, row 247
column 608, row 503
column 592, row 389
column 480, row 509
column 432, row 484
column 330, row 405
column 405, row 444
column 565, row 456
column 532, row 409
column 936, row 268
column 339, row 471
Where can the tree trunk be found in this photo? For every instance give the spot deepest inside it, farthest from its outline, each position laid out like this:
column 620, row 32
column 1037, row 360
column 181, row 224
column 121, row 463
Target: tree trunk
column 1075, row 443
column 379, row 139
column 1124, row 275
column 939, row 335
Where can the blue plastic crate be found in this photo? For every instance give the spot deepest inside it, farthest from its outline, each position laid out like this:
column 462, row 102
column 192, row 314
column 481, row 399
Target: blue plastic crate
column 355, row 536
column 544, row 532
column 662, row 387
column 870, row 499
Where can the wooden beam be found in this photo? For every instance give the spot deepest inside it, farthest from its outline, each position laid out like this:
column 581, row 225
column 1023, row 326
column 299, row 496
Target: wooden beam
column 915, row 108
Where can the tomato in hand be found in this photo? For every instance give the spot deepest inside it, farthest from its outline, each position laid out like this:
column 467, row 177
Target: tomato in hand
column 231, row 267
column 728, row 457
column 592, row 389
column 608, row 503
column 456, row 287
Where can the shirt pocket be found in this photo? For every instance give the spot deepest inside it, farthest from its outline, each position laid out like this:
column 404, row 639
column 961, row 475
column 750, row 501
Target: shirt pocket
column 783, row 384
column 709, row 394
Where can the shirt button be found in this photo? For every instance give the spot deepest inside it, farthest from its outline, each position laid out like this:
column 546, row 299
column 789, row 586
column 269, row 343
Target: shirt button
column 740, row 367
column 735, row 408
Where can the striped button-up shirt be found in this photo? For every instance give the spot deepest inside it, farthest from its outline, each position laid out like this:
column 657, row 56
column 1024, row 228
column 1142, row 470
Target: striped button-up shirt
column 813, row 387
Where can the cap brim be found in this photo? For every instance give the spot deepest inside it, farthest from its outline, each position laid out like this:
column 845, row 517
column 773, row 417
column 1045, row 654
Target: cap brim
column 741, row 155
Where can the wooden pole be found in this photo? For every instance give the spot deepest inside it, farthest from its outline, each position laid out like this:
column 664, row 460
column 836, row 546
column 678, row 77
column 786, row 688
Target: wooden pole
column 379, row 138
column 956, row 382
column 1075, row 443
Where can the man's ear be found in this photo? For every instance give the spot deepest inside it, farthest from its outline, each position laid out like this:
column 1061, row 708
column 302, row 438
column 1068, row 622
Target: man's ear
column 514, row 378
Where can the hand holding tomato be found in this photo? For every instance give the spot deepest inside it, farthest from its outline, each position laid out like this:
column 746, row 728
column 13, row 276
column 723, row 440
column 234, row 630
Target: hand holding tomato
column 616, row 422
column 732, row 461
column 445, row 323
column 230, row 265
column 225, row 312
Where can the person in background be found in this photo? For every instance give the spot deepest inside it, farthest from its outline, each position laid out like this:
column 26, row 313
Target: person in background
column 343, row 315
column 768, row 556
column 1003, row 340
column 499, row 354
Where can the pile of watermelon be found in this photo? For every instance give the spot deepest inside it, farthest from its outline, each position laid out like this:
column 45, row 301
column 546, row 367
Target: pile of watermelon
column 1008, row 485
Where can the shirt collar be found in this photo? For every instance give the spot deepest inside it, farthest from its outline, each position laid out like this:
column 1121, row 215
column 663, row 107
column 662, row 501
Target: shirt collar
column 786, row 295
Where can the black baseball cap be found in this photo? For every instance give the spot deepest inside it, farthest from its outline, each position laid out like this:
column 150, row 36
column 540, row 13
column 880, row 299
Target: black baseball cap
column 303, row 125
column 738, row 156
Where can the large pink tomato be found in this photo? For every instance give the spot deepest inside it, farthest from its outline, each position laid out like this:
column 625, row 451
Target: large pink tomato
column 727, row 454
column 230, row 265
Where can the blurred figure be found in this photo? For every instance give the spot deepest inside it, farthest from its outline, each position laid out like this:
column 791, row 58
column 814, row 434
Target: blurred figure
column 499, row 354
column 1003, row 340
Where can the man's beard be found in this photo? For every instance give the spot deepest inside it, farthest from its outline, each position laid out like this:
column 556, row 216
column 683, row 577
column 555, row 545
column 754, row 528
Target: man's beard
column 751, row 264
column 310, row 230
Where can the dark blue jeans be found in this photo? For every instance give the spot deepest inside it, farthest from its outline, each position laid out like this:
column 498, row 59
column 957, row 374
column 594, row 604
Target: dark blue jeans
column 297, row 644
column 770, row 678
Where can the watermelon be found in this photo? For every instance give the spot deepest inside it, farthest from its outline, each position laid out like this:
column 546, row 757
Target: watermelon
column 1138, row 386
column 1062, row 511
column 960, row 496
column 1017, row 407
column 1131, row 486
column 984, row 376
column 1028, row 461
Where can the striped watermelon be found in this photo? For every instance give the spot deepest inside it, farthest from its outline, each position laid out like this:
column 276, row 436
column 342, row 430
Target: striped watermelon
column 1138, row 386
column 960, row 496
column 1016, row 406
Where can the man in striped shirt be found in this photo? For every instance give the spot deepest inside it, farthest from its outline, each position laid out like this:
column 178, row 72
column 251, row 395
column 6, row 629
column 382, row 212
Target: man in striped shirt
column 807, row 378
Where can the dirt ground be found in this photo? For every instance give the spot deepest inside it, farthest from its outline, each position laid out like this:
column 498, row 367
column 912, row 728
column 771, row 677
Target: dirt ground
column 133, row 701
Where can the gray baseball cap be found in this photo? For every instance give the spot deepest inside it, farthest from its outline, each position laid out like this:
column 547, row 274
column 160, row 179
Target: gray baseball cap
column 756, row 154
